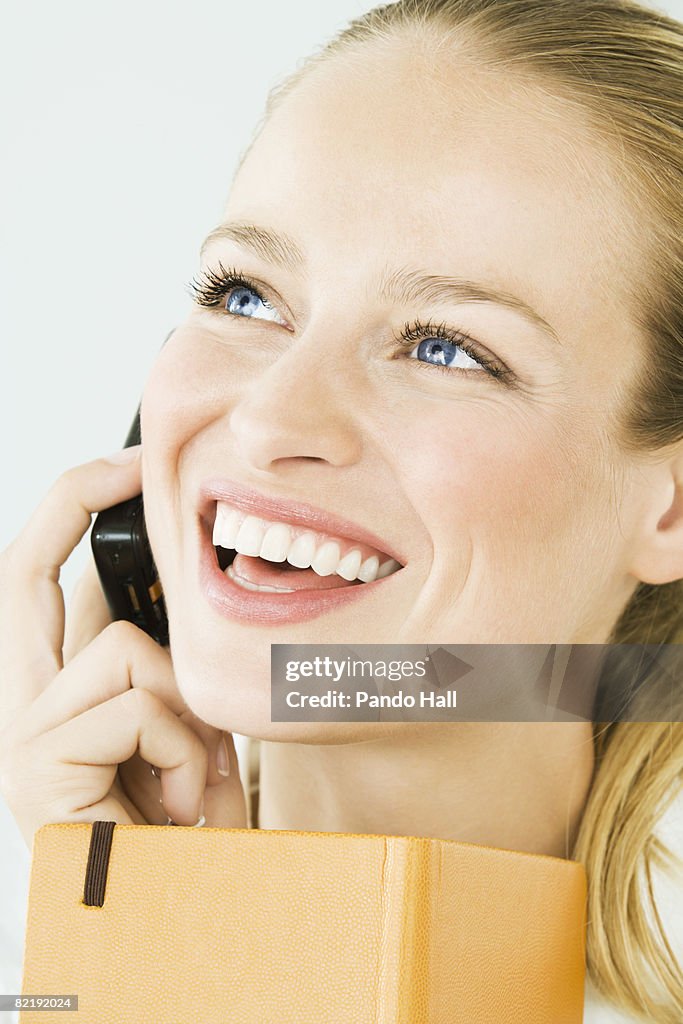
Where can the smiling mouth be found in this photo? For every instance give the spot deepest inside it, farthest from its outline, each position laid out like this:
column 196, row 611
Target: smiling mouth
column 272, row 556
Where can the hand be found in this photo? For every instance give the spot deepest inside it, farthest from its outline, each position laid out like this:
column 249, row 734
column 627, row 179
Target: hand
column 77, row 740
column 88, row 616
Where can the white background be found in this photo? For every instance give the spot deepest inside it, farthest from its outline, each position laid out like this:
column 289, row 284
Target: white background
column 121, row 126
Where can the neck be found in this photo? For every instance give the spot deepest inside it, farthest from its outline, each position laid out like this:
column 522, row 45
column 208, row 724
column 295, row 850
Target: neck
column 517, row 786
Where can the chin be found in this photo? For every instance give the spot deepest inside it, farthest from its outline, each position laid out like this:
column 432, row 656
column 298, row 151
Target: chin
column 230, row 690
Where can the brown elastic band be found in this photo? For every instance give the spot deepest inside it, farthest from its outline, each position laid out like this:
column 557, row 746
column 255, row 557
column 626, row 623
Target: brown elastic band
column 98, row 863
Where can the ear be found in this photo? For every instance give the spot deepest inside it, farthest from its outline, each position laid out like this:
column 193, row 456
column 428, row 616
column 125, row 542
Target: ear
column 657, row 549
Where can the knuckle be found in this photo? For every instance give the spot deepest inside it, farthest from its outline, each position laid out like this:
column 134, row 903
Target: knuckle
column 144, row 703
column 65, row 482
column 120, row 633
column 195, row 754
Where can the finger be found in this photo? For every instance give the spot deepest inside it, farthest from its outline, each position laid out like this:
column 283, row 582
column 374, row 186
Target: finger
column 225, row 804
column 211, row 737
column 141, row 781
column 121, row 657
column 87, row 612
column 224, row 801
column 112, row 732
column 132, row 659
column 31, row 602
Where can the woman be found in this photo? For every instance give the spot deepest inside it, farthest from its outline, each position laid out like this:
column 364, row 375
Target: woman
column 437, row 352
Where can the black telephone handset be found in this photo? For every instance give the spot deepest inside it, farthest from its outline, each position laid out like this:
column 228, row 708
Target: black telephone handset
column 125, row 563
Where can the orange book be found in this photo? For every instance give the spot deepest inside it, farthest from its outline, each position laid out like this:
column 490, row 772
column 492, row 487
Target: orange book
column 204, row 926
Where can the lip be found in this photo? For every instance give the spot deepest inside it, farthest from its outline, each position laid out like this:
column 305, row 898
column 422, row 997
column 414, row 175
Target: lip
column 234, row 602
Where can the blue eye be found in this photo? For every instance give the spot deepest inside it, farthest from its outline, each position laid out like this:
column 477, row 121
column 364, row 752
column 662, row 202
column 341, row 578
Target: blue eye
column 444, row 353
column 244, row 301
column 234, row 293
column 449, row 350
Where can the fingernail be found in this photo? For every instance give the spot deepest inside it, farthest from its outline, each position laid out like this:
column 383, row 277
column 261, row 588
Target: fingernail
column 124, row 456
column 222, row 757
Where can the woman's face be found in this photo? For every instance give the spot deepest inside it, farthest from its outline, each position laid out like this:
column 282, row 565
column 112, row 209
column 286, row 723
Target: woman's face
column 477, row 452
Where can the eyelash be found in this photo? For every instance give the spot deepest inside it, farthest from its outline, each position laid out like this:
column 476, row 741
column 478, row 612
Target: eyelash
column 210, row 286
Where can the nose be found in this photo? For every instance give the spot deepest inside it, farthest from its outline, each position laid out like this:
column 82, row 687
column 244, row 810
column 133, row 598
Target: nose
column 299, row 407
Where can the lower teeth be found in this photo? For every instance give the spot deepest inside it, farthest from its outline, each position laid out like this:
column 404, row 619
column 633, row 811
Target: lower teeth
column 246, row 585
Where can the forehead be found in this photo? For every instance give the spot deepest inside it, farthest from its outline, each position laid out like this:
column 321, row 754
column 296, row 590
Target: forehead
column 466, row 166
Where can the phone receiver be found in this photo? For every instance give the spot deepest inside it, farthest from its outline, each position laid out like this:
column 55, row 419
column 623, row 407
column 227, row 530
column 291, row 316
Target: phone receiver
column 124, row 560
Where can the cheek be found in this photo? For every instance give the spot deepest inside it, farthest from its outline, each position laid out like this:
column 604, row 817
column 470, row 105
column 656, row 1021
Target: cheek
column 182, row 394
column 498, row 474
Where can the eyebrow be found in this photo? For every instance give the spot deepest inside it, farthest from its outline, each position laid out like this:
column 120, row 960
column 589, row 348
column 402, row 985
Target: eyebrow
column 275, row 248
column 401, row 285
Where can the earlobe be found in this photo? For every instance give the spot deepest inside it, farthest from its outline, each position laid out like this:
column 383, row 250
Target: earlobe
column 658, row 553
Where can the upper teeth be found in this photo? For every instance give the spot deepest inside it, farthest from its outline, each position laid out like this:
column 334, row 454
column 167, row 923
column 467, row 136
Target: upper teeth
column 303, row 548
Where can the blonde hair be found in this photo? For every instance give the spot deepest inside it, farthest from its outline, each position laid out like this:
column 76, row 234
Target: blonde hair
column 623, row 63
